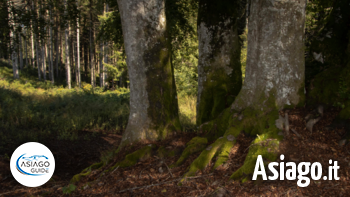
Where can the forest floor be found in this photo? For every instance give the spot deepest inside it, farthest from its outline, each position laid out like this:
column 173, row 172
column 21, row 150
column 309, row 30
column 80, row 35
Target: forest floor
column 153, row 178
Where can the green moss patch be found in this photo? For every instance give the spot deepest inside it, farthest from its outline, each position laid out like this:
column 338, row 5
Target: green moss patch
column 220, row 146
column 263, row 145
column 86, row 172
column 132, row 158
column 254, row 122
column 163, row 152
column 195, row 145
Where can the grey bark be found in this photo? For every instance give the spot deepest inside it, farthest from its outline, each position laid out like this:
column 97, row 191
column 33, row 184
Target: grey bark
column 275, row 59
column 150, row 72
column 219, row 67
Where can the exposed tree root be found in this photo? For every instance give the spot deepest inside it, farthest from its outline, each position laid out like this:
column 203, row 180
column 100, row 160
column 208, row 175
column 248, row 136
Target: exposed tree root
column 253, row 122
column 87, row 171
column 195, row 145
column 131, row 159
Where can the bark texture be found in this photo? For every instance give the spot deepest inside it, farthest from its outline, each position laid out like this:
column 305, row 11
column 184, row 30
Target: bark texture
column 219, row 67
column 274, row 80
column 275, row 57
column 153, row 99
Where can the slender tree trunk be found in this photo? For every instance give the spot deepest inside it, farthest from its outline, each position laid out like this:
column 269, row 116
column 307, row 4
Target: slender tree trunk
column 62, row 51
column 92, row 51
column 33, row 50
column 47, row 54
column 20, row 50
column 37, row 48
column 51, row 50
column 57, row 45
column 42, row 45
column 25, row 47
column 86, row 58
column 13, row 42
column 78, row 52
column 153, row 98
column 71, row 51
column 67, row 29
column 43, row 52
column 101, row 65
column 37, row 57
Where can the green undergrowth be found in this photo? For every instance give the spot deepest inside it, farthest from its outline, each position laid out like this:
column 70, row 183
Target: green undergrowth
column 187, row 109
column 30, row 109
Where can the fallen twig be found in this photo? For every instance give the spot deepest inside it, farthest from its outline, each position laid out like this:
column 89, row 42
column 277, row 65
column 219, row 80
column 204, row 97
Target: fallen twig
column 172, row 176
column 11, row 192
column 296, row 133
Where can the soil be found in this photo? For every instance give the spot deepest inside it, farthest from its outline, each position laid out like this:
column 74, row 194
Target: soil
column 152, row 177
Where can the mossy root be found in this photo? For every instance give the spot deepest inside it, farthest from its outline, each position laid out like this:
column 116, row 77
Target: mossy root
column 86, row 171
column 253, row 122
column 195, row 145
column 132, row 158
column 220, row 147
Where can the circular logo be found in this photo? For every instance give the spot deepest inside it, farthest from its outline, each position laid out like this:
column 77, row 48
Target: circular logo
column 32, row 164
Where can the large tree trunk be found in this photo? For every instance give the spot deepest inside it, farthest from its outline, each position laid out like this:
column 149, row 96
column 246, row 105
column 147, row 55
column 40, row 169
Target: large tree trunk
column 274, row 81
column 275, row 57
column 219, row 67
column 68, row 77
column 153, row 99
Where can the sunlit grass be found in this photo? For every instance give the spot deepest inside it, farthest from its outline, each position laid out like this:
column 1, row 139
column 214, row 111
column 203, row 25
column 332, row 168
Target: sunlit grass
column 187, row 108
column 30, row 109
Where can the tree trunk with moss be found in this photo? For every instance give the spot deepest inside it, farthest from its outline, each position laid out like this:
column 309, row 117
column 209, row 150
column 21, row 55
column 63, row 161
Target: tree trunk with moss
column 153, row 99
column 219, row 67
column 274, row 81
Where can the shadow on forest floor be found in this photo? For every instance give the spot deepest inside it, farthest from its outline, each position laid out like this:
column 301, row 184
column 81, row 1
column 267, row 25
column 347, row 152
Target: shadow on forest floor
column 70, row 158
column 152, row 177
